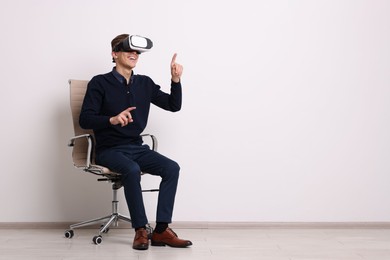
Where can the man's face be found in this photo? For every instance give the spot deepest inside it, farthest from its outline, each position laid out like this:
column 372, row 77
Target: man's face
column 126, row 59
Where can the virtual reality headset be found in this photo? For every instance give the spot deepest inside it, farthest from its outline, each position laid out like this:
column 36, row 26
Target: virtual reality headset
column 134, row 43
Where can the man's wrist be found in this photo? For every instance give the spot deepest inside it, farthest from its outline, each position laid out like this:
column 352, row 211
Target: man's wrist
column 175, row 80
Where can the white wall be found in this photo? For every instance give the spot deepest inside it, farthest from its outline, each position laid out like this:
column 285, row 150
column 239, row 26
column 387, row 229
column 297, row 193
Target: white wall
column 286, row 113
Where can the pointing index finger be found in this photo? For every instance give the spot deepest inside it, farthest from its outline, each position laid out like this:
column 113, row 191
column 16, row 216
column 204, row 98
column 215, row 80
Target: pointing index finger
column 174, row 58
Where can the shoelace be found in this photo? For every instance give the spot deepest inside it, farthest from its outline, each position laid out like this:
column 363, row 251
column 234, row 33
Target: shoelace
column 141, row 233
column 173, row 232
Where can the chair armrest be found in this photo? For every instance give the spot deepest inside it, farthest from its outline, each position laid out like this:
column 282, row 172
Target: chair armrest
column 88, row 164
column 71, row 140
column 154, row 141
column 90, row 145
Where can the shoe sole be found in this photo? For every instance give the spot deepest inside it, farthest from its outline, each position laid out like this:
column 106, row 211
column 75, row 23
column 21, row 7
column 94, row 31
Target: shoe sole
column 145, row 247
column 157, row 243
column 153, row 243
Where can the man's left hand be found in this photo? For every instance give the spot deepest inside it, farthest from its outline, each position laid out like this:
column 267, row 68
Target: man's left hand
column 176, row 69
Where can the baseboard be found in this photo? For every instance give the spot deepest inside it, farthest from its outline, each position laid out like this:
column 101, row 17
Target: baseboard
column 216, row 225
column 281, row 225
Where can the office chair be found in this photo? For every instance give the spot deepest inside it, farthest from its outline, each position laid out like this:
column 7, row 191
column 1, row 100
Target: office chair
column 83, row 159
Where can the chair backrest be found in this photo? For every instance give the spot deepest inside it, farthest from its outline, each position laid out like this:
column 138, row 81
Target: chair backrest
column 80, row 148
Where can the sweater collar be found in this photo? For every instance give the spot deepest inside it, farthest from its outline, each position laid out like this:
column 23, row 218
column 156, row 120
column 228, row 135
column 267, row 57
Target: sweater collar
column 120, row 78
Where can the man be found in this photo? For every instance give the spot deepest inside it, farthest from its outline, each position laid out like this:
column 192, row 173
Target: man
column 116, row 106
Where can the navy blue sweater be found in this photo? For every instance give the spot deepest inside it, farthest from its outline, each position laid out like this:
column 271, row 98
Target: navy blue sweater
column 108, row 94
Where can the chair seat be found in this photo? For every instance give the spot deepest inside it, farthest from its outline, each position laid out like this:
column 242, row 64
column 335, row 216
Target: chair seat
column 101, row 170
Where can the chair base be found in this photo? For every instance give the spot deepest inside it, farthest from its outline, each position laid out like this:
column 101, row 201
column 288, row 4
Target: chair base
column 106, row 221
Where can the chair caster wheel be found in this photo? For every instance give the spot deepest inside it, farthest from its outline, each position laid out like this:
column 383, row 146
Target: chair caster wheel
column 97, row 240
column 69, row 234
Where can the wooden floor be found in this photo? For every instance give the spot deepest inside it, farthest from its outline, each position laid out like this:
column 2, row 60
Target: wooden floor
column 218, row 244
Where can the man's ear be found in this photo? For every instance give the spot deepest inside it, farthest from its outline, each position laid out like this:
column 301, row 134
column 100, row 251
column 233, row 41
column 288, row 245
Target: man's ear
column 114, row 56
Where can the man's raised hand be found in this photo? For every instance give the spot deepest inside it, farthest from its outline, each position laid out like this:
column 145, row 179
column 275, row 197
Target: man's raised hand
column 176, row 69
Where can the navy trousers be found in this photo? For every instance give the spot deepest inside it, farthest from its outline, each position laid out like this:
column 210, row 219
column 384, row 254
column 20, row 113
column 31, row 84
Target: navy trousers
column 130, row 161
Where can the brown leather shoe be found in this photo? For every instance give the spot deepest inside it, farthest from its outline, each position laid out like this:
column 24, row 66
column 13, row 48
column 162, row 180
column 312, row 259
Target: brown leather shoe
column 141, row 241
column 169, row 237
